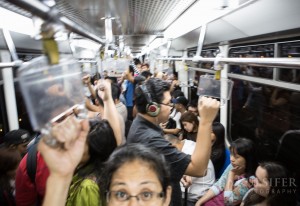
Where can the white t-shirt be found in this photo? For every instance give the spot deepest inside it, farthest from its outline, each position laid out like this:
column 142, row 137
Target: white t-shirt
column 176, row 117
column 199, row 184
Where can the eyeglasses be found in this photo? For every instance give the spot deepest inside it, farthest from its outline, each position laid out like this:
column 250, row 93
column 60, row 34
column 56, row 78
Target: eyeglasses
column 169, row 105
column 144, row 197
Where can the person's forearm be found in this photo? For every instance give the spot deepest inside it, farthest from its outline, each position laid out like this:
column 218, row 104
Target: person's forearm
column 201, row 154
column 171, row 131
column 229, row 183
column 208, row 195
column 57, row 190
column 111, row 114
column 92, row 91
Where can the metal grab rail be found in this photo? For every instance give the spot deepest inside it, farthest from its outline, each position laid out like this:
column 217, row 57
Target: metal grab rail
column 293, row 63
column 41, row 10
column 11, row 64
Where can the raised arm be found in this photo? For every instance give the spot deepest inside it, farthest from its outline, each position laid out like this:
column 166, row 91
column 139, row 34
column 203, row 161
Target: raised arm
column 208, row 109
column 62, row 162
column 110, row 112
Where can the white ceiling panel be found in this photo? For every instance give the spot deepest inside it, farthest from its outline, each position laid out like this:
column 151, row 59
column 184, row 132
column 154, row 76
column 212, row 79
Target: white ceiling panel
column 221, row 30
column 266, row 16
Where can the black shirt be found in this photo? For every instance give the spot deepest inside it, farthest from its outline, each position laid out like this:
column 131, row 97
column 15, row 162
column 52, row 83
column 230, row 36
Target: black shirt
column 145, row 132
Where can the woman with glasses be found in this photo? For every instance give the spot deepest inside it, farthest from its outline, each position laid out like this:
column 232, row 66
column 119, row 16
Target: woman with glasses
column 135, row 174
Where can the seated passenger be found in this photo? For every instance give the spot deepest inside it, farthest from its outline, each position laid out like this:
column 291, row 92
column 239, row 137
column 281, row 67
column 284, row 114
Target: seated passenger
column 218, row 150
column 190, row 124
column 195, row 186
column 272, row 187
column 236, row 179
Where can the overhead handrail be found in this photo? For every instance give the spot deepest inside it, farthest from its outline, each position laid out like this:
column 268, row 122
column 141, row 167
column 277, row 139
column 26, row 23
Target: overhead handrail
column 41, row 10
column 293, row 63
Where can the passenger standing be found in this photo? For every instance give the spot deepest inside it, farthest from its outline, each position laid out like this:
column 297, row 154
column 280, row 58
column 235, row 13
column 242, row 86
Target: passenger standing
column 18, row 140
column 180, row 104
column 153, row 104
column 9, row 161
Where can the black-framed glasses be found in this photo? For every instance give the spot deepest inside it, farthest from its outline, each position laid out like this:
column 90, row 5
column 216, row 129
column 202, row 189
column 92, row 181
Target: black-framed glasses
column 120, row 196
column 169, row 105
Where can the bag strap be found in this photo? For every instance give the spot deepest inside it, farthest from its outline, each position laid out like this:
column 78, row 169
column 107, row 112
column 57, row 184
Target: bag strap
column 32, row 162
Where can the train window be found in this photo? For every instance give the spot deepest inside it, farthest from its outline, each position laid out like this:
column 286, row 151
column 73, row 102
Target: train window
column 291, row 50
column 252, row 51
column 263, row 113
column 23, row 117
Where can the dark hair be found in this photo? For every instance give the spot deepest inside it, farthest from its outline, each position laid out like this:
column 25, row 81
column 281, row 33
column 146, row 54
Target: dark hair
column 189, row 117
column 101, row 143
column 156, row 88
column 131, row 152
column 115, row 91
column 131, row 69
column 245, row 148
column 277, row 176
column 146, row 74
column 177, row 93
column 279, row 184
column 9, row 160
column 218, row 149
column 193, row 103
column 136, row 61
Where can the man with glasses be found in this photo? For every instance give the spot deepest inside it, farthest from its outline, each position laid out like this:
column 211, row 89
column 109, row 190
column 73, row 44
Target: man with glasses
column 153, row 105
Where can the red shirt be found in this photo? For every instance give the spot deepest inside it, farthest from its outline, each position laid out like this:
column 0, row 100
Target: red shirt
column 28, row 193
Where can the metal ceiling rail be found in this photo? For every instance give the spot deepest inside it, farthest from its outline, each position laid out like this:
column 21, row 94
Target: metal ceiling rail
column 41, row 10
column 293, row 63
column 259, row 80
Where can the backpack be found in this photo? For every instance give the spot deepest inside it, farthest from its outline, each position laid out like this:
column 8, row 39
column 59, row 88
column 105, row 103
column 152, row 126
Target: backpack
column 31, row 162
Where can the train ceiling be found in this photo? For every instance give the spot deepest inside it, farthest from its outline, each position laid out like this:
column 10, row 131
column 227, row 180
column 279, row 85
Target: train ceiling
column 139, row 22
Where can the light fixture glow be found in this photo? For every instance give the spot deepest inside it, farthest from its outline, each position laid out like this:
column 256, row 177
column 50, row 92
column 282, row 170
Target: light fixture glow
column 84, row 43
column 16, row 22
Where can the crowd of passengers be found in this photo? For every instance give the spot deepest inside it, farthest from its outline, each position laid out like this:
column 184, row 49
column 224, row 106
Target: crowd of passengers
column 143, row 143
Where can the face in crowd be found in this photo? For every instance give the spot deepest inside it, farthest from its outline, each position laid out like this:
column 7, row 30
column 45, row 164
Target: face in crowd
column 137, row 176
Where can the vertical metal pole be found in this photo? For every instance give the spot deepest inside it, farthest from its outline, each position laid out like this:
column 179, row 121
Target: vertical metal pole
column 183, row 77
column 10, row 99
column 168, row 47
column 275, row 69
column 224, row 108
column 10, row 44
column 201, row 40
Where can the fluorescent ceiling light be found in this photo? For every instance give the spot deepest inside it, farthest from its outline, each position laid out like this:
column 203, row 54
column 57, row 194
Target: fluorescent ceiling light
column 87, row 44
column 16, row 22
column 157, row 43
column 200, row 13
